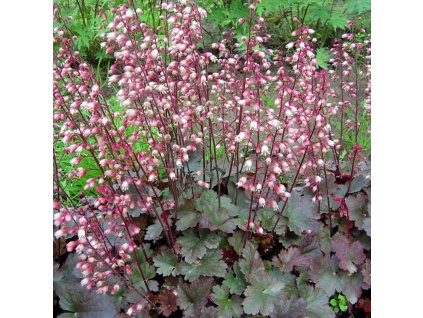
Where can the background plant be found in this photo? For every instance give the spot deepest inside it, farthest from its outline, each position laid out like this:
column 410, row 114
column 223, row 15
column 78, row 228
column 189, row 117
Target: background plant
column 203, row 198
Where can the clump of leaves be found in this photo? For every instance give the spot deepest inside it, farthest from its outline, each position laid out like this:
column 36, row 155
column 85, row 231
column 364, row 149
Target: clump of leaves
column 339, row 303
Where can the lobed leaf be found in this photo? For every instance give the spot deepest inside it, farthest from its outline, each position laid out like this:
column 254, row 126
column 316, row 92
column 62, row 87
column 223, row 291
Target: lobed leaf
column 193, row 297
column 251, row 263
column 350, row 254
column 301, row 213
column 262, row 295
column 167, row 300
column 210, row 265
column 195, row 246
column 228, row 306
column 213, row 217
column 317, row 303
column 290, row 258
column 293, row 307
column 166, row 263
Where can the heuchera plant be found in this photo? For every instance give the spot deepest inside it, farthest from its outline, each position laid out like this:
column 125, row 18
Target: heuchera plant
column 217, row 188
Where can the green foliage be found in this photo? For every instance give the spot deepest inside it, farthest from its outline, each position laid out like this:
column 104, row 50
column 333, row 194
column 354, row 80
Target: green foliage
column 166, row 263
column 251, row 263
column 317, row 303
column 195, row 245
column 262, row 295
column 187, row 219
column 85, row 25
column 154, row 231
column 339, row 303
column 228, row 306
column 328, row 18
column 236, row 284
column 325, row 275
column 213, row 217
column 322, row 58
column 348, row 141
column 236, row 241
column 148, row 270
column 210, row 265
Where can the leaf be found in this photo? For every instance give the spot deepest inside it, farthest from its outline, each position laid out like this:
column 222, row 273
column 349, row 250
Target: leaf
column 194, row 247
column 261, row 296
column 357, row 208
column 332, row 186
column 79, row 300
column 324, row 273
column 325, row 241
column 322, row 58
column 293, row 307
column 236, row 285
column 243, row 199
column 84, row 303
column 210, row 265
column 149, row 273
column 192, row 297
column 338, row 20
column 213, row 217
column 228, row 306
column 166, row 263
column 251, row 264
column 352, row 286
column 366, row 271
column 167, row 300
column 226, row 204
column 271, row 5
column 359, row 182
column 207, row 312
column 367, row 226
column 267, row 218
column 57, row 274
column 195, row 161
column 301, row 213
column 358, row 6
column 237, row 10
column 317, row 303
column 349, row 253
column 310, row 246
column 236, row 241
column 187, row 219
column 290, row 258
column 154, row 231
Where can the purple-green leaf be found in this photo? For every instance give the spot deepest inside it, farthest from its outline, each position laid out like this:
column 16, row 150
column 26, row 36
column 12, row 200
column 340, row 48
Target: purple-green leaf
column 350, row 254
column 290, row 258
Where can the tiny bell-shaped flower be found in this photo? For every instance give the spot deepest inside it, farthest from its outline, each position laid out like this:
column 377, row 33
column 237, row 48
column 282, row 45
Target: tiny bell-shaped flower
column 124, row 186
column 253, row 126
column 240, row 137
column 248, row 164
column 265, row 150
